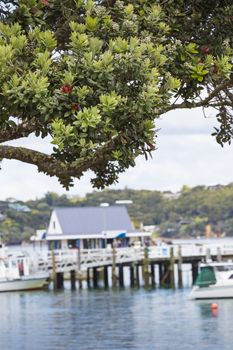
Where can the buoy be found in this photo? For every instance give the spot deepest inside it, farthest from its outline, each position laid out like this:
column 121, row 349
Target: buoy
column 214, row 306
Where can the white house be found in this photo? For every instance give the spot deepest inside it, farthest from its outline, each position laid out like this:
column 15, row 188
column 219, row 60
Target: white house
column 92, row 227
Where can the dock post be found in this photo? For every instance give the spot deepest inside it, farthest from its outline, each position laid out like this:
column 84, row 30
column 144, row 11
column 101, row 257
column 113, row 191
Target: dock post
column 80, row 283
column 208, row 254
column 152, row 269
column 95, row 277
column 73, row 279
column 137, row 276
column 165, row 280
column 194, row 271
column 60, row 280
column 160, row 274
column 180, row 276
column 171, row 268
column 106, row 277
column 88, row 278
column 121, row 275
column 132, row 275
column 145, row 268
column 219, row 255
column 54, row 274
column 114, row 279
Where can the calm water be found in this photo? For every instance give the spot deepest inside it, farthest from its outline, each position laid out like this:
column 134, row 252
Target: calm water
column 108, row 320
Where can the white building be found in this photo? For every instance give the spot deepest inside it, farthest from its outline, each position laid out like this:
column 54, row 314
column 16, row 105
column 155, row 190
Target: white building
column 92, row 227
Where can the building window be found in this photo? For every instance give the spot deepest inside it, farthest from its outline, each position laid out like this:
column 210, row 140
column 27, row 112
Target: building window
column 54, row 225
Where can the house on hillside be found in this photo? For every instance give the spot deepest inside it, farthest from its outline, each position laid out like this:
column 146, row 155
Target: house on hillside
column 92, row 227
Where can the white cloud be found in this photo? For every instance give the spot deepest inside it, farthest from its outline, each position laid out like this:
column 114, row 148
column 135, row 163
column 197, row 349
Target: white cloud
column 186, row 154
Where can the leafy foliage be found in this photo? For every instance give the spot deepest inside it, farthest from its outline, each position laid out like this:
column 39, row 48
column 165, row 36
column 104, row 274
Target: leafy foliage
column 95, row 75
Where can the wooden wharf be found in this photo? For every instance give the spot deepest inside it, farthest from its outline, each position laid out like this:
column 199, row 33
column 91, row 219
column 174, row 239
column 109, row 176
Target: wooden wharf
column 145, row 262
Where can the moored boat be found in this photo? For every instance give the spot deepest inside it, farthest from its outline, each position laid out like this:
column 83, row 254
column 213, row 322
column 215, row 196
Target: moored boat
column 215, row 280
column 17, row 273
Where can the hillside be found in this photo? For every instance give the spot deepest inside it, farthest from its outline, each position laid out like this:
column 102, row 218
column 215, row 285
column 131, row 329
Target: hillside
column 193, row 212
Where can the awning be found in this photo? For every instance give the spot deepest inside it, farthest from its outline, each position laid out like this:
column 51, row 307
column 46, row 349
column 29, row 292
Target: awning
column 121, row 235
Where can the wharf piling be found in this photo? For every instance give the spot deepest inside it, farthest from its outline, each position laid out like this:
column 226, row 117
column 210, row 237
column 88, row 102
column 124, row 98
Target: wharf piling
column 121, row 276
column 137, row 276
column 106, row 284
column 152, row 273
column 88, row 278
column 95, row 277
column 179, row 267
column 114, row 277
column 132, row 276
column 148, row 266
column 145, row 268
column 73, row 279
column 171, row 269
column 59, row 280
column 194, row 270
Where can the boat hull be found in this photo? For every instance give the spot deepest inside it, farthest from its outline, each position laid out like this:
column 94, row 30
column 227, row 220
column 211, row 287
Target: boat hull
column 30, row 283
column 212, row 292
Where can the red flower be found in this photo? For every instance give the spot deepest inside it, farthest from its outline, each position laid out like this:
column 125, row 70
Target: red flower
column 205, row 49
column 75, row 107
column 66, row 89
column 44, row 2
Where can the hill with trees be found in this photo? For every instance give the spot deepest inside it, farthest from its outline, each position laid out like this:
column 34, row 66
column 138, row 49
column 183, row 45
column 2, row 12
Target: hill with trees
column 197, row 211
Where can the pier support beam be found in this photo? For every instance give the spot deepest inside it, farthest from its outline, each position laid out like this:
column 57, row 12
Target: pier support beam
column 165, row 281
column 132, row 281
column 80, row 280
column 54, row 273
column 152, row 273
column 114, row 278
column 106, row 284
column 95, row 277
column 60, row 280
column 219, row 255
column 73, row 279
column 137, row 276
column 160, row 274
column 145, row 268
column 194, row 271
column 180, row 261
column 121, row 276
column 171, row 269
column 88, row 278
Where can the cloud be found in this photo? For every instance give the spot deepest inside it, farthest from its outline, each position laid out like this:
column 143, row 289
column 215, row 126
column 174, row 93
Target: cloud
column 187, row 122
column 186, row 154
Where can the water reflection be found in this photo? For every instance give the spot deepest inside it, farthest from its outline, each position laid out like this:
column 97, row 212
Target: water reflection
column 113, row 320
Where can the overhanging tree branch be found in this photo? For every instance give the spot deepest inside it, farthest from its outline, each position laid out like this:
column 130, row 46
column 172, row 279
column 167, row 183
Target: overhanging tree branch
column 203, row 103
column 51, row 166
column 21, row 130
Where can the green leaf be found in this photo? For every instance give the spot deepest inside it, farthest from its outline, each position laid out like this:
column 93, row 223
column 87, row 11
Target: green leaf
column 92, row 23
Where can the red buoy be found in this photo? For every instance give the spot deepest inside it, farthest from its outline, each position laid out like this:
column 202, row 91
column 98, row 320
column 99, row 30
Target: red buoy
column 214, row 306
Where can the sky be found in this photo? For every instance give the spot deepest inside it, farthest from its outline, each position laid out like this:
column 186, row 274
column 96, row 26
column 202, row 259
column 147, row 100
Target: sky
column 186, row 154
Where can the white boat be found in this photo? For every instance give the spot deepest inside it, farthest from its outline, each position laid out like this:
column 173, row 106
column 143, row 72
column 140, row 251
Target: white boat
column 17, row 273
column 215, row 280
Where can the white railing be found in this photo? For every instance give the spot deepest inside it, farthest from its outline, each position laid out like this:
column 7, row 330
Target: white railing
column 69, row 259
column 74, row 259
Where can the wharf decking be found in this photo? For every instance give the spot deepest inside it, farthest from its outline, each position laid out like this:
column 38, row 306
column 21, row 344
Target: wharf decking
column 86, row 264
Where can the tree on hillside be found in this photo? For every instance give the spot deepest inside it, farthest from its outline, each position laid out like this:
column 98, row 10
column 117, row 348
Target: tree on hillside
column 95, row 75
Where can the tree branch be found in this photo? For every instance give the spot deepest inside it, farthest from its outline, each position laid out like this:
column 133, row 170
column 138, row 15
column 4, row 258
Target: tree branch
column 51, row 166
column 202, row 103
column 22, row 130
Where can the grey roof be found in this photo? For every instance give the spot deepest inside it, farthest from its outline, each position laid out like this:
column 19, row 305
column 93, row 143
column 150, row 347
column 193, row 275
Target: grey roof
column 93, row 220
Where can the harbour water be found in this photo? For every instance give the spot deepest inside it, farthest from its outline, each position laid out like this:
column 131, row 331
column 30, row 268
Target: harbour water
column 113, row 320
